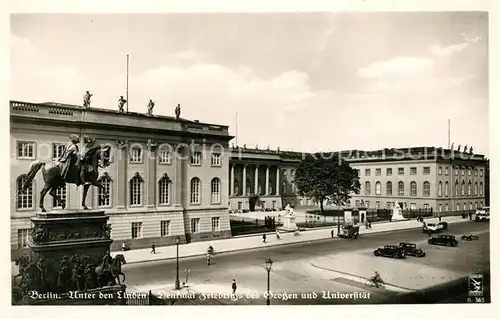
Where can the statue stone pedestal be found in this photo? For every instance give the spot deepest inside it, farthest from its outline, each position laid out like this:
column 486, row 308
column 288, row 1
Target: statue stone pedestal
column 397, row 214
column 289, row 223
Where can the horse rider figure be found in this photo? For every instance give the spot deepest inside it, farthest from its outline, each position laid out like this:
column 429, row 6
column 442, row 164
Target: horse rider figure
column 70, row 160
column 178, row 111
column 106, row 262
column 121, row 103
column 151, row 105
column 86, row 99
column 42, row 270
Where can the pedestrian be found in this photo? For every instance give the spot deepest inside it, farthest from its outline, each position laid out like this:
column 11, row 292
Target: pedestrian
column 233, row 286
column 439, row 218
column 370, row 225
column 153, row 250
column 208, row 259
column 264, row 238
column 123, row 246
column 332, row 232
column 277, row 234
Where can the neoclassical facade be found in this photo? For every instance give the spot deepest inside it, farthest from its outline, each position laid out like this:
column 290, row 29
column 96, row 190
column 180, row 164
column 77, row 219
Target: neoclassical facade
column 168, row 177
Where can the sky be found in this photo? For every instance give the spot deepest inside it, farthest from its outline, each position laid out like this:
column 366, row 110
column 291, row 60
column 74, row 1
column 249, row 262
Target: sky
column 300, row 81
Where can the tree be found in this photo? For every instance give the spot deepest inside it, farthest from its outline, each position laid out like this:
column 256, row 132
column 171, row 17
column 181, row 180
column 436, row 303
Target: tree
column 326, row 177
column 253, row 200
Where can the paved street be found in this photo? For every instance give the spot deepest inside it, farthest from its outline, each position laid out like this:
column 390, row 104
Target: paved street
column 295, row 268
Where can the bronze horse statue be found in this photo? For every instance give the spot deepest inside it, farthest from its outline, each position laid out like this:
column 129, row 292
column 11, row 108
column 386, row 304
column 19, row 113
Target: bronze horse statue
column 95, row 157
column 111, row 275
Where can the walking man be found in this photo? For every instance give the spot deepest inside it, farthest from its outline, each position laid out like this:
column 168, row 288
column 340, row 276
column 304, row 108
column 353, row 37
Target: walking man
column 332, row 232
column 123, row 246
column 233, row 286
column 153, row 250
column 277, row 234
column 264, row 238
column 208, row 259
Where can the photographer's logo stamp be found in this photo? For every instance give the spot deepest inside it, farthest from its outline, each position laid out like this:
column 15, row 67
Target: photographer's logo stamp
column 476, row 284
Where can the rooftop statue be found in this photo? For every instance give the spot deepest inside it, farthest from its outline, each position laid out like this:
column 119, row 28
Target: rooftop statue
column 121, row 104
column 151, row 105
column 178, row 111
column 86, row 99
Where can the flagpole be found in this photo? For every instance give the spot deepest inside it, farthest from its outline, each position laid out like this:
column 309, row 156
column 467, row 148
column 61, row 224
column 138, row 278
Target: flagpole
column 449, row 133
column 127, row 84
column 236, row 135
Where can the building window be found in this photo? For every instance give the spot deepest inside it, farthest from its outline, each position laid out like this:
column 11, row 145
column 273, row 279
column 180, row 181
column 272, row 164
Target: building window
column 388, row 190
column 457, row 190
column 446, row 189
column 440, row 189
column 440, row 208
column 469, row 171
column 215, row 190
column 475, row 172
column 446, row 208
column 413, row 171
column 165, row 156
column 456, row 171
column 462, row 188
column 475, row 188
column 480, row 173
column 195, row 225
column 136, row 190
column 481, row 189
column 195, row 190
column 427, row 189
column 477, row 205
column 427, row 170
column 292, row 172
column 463, row 171
column 283, row 187
column 470, row 206
column 388, row 172
column 401, row 171
column 378, row 188
column 26, row 150
column 446, row 171
column 413, row 206
column 22, row 238
column 215, row 224
column 164, row 228
column 440, row 170
column 57, row 150
column 136, row 155
column 367, row 188
column 388, row 205
column 426, row 206
column 196, row 158
column 367, row 204
column 216, row 160
column 24, row 200
column 378, row 172
column 164, row 190
column 401, row 188
column 413, row 189
column 458, row 207
column 368, row 172
column 377, row 205
column 284, row 171
column 136, row 230
column 104, row 193
column 61, row 192
column 357, row 203
column 469, row 188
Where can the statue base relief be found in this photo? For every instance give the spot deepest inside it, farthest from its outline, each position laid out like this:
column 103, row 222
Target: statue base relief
column 397, row 215
column 289, row 223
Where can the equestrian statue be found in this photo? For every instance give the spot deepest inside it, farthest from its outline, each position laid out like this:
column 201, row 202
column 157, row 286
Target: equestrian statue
column 71, row 168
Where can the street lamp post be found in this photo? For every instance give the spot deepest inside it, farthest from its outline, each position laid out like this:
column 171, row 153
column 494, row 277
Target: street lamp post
column 177, row 284
column 269, row 264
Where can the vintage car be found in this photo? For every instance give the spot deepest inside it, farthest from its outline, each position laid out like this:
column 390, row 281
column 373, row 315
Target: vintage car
column 434, row 227
column 412, row 250
column 445, row 240
column 392, row 251
column 483, row 214
column 349, row 231
column 469, row 237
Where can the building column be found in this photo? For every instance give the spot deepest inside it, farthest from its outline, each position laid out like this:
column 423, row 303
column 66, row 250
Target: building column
column 277, row 180
column 231, row 181
column 244, row 186
column 256, row 180
column 151, row 174
column 121, row 159
column 178, row 181
column 267, row 180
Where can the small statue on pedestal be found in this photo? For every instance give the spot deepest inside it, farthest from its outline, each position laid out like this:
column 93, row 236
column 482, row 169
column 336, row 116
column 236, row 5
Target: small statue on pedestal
column 151, row 105
column 86, row 99
column 121, row 103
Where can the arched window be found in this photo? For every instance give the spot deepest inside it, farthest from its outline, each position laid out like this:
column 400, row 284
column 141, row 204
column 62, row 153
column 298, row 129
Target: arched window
column 24, row 200
column 469, row 188
column 446, row 189
column 215, row 190
column 457, row 190
column 462, row 188
column 481, row 189
column 61, row 192
column 136, row 190
column 195, row 190
column 401, row 188
column 368, row 189
column 104, row 194
column 427, row 189
column 378, row 188
column 388, row 190
column 413, row 189
column 440, row 189
column 164, row 190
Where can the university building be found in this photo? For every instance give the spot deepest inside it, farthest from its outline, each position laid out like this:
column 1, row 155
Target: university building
column 172, row 177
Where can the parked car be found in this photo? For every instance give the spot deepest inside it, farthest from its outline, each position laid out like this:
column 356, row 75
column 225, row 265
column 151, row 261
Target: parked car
column 483, row 214
column 349, row 231
column 412, row 250
column 392, row 251
column 445, row 240
column 434, row 227
column 469, row 237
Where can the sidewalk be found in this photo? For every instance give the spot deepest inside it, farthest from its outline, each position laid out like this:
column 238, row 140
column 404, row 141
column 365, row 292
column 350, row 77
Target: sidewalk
column 255, row 242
